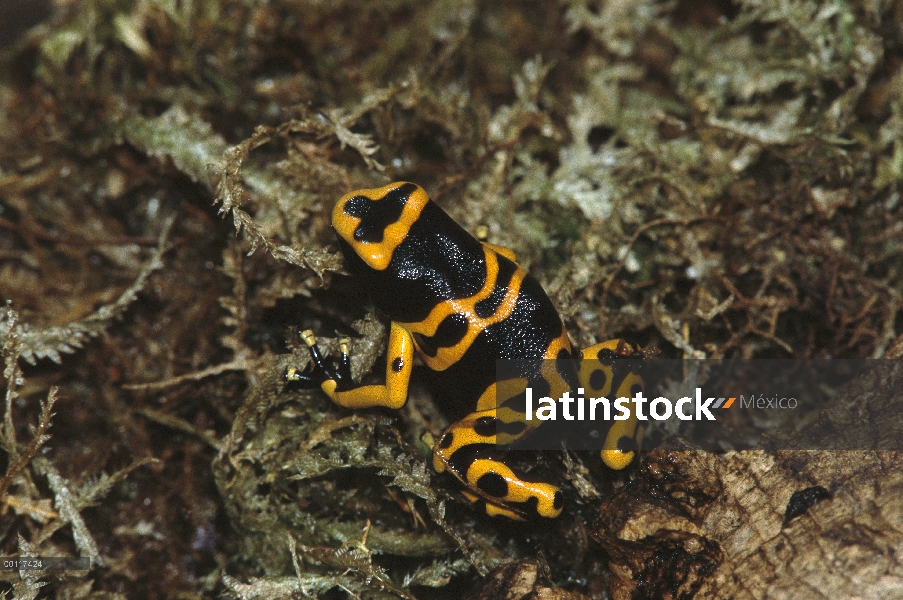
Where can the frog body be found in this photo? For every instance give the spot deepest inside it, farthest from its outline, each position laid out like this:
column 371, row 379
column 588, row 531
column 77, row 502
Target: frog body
column 462, row 304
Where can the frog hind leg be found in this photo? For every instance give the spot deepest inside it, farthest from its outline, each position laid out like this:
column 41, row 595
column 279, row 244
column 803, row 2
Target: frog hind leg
column 468, row 450
column 492, row 509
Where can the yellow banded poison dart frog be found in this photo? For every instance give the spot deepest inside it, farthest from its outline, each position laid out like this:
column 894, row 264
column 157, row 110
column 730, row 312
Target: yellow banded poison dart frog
column 462, row 304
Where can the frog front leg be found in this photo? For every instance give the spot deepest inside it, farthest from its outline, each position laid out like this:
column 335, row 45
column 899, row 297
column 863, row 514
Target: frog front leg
column 338, row 385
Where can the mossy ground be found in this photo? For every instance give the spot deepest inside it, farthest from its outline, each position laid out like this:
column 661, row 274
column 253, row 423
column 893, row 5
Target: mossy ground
column 711, row 178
